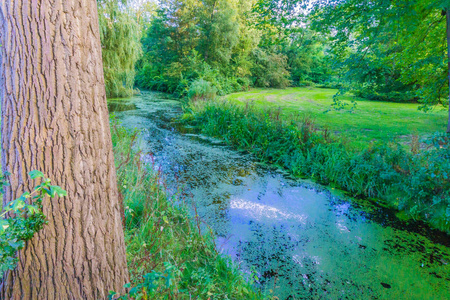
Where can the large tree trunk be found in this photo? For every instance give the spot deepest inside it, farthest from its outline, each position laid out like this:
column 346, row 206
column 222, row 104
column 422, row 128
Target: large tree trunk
column 55, row 119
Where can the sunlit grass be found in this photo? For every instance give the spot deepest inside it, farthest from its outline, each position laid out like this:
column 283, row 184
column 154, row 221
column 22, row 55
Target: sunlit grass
column 369, row 121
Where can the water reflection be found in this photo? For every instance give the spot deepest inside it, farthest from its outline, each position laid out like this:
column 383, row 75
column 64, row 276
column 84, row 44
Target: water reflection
column 301, row 240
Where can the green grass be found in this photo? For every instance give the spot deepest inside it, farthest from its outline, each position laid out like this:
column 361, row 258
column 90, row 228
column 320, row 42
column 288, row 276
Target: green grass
column 369, row 121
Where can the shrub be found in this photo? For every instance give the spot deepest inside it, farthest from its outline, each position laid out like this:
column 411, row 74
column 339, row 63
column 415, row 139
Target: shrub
column 305, row 83
column 192, row 75
column 270, row 69
column 201, row 90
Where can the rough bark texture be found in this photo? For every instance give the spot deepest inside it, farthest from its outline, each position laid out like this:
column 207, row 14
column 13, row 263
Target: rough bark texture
column 55, row 119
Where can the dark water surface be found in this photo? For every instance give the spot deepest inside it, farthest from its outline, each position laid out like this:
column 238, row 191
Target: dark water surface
column 303, row 241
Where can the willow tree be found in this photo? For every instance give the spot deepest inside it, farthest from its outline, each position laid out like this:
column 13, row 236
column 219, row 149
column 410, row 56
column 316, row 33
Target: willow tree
column 121, row 48
column 55, row 119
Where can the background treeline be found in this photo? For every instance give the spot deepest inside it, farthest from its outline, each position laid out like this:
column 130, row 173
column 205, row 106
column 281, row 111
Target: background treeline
column 380, row 50
column 218, row 46
column 209, row 47
column 392, row 50
column 389, row 50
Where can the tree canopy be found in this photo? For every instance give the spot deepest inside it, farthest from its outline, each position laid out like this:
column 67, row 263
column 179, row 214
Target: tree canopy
column 380, row 50
column 121, row 48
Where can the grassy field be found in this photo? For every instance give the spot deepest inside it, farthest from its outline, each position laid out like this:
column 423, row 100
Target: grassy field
column 370, row 120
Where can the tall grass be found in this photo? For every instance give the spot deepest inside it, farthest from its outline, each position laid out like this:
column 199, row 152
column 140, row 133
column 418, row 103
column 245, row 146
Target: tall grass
column 417, row 182
column 168, row 256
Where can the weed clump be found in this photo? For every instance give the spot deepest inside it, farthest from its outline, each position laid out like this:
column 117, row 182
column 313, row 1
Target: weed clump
column 200, row 90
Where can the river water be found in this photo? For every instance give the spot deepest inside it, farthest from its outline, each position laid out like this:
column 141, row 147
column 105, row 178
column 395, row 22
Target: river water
column 302, row 240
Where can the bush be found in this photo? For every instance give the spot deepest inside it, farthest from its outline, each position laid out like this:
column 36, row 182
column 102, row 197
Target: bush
column 190, row 75
column 270, row 69
column 305, row 83
column 389, row 96
column 201, row 90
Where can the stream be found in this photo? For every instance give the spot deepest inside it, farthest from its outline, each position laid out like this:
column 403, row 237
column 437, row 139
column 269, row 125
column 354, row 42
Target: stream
column 302, row 240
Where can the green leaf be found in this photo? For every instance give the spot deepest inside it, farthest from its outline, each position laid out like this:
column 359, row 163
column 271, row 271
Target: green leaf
column 3, row 225
column 36, row 174
column 56, row 190
column 32, row 209
column 46, row 191
column 134, row 291
column 112, row 295
column 16, row 244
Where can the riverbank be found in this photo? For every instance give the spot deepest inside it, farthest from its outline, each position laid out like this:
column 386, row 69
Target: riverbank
column 417, row 183
column 369, row 121
column 168, row 255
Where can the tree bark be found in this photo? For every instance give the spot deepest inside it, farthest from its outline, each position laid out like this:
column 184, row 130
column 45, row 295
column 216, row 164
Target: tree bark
column 55, row 119
column 448, row 58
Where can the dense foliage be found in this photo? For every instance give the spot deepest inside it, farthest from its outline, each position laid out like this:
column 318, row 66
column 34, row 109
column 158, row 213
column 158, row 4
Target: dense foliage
column 389, row 50
column 121, row 48
column 381, row 50
column 224, row 43
column 378, row 50
column 22, row 218
column 416, row 182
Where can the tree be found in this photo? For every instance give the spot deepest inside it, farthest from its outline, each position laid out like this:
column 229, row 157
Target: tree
column 143, row 11
column 411, row 34
column 406, row 37
column 192, row 39
column 121, row 48
column 55, row 119
column 219, row 30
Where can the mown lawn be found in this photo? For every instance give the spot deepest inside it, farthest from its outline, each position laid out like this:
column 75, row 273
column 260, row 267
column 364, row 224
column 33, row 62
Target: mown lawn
column 369, row 121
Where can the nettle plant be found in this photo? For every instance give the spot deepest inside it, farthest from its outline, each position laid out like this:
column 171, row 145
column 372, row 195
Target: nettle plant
column 22, row 218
